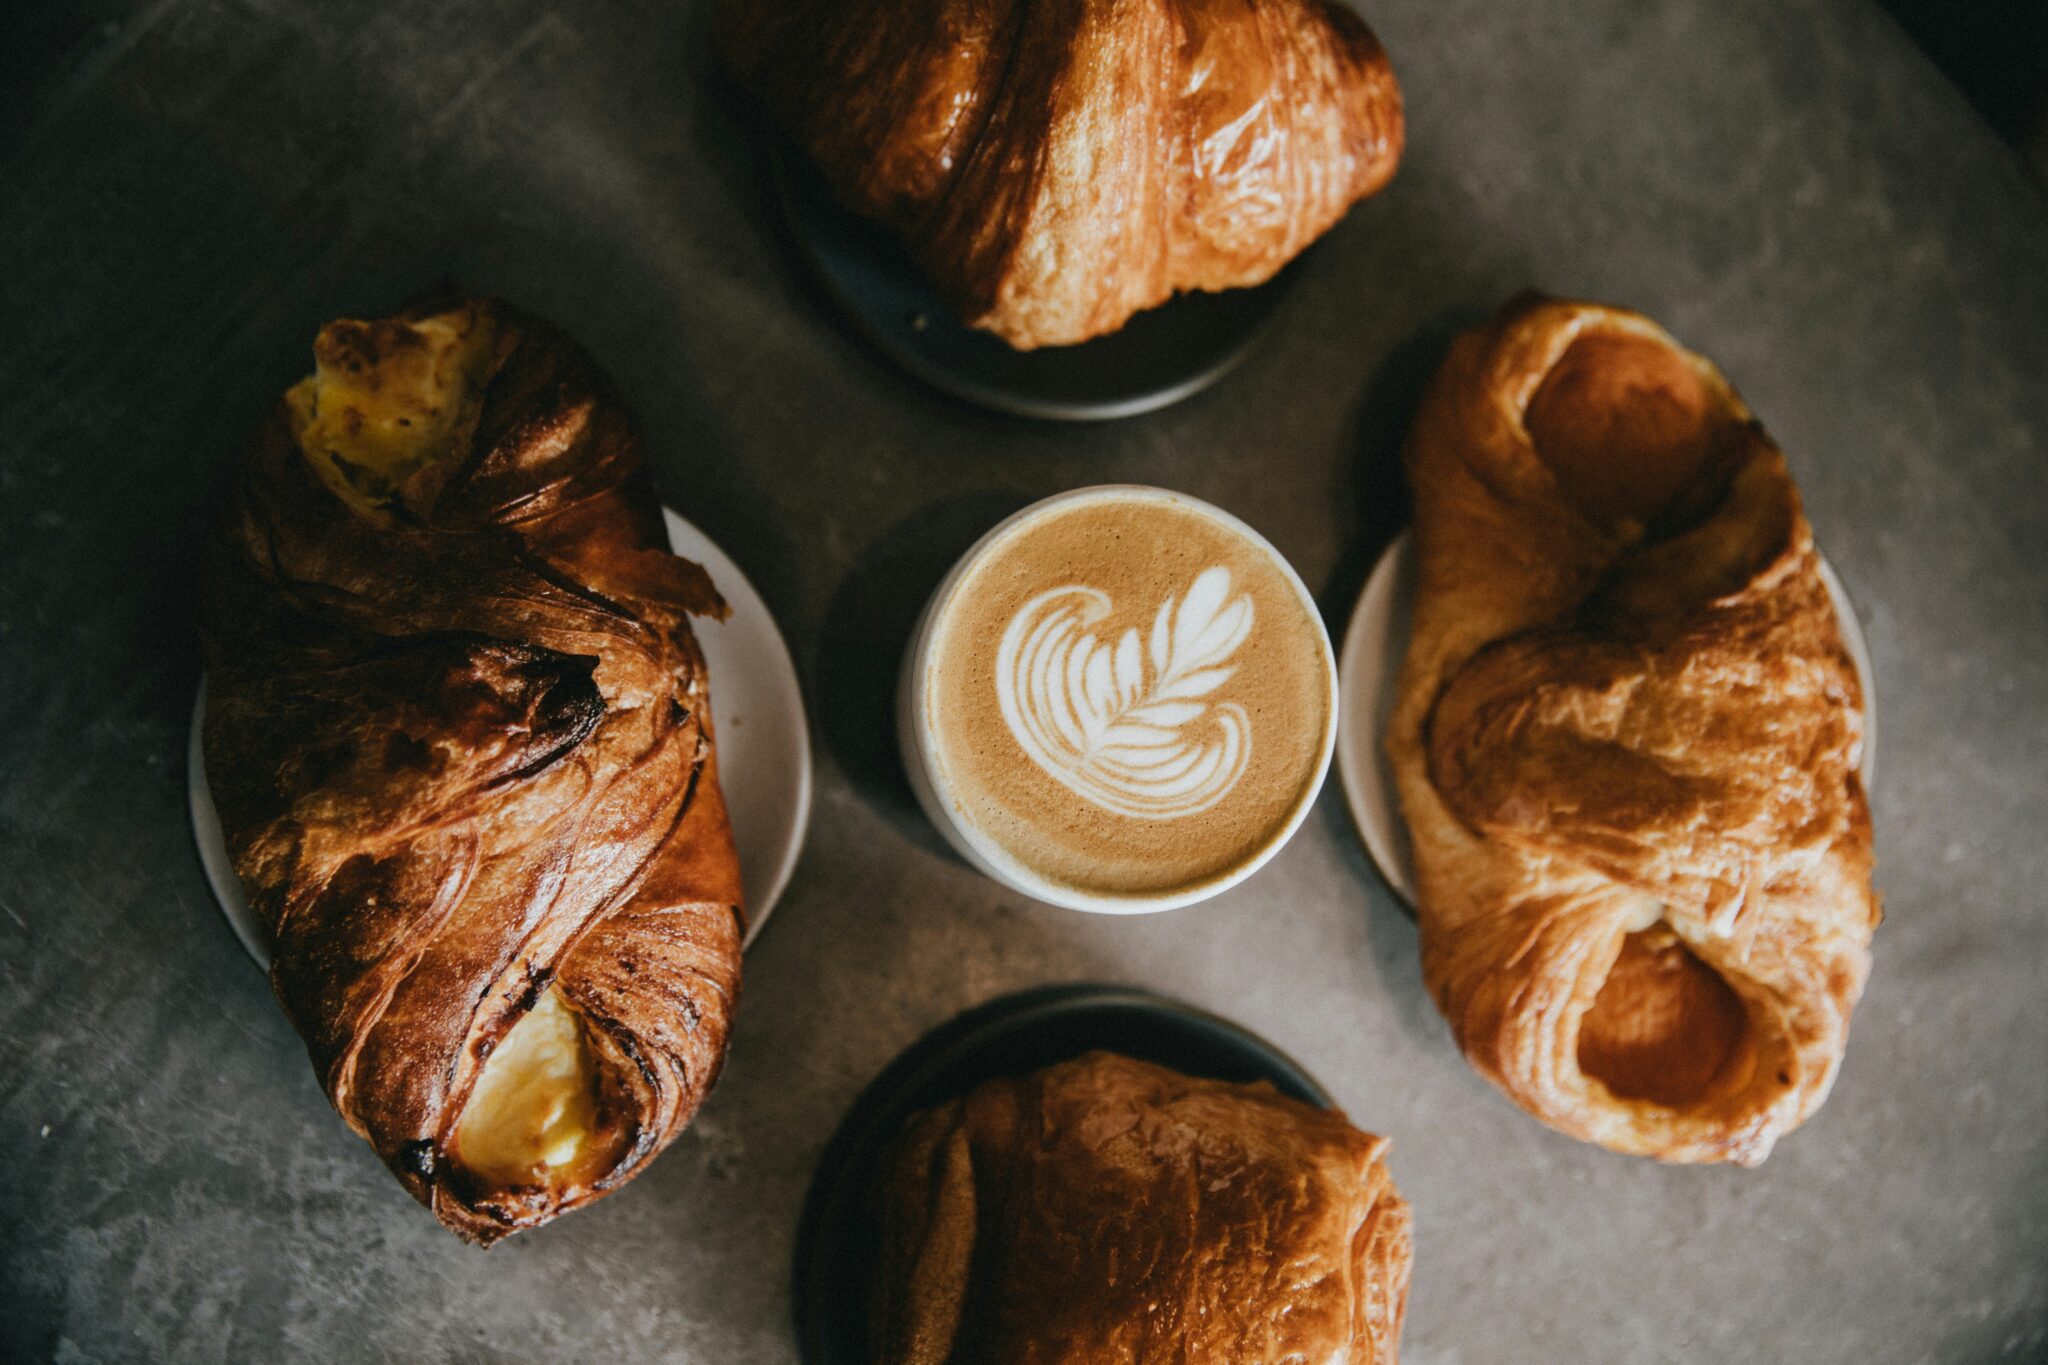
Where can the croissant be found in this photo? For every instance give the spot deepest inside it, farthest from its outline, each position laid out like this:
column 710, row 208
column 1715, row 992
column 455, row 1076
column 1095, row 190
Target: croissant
column 1627, row 740
column 1107, row 1211
column 1054, row 166
column 457, row 730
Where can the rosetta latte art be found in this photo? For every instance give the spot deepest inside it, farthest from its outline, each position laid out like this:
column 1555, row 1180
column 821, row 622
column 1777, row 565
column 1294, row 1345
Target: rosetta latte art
column 1129, row 725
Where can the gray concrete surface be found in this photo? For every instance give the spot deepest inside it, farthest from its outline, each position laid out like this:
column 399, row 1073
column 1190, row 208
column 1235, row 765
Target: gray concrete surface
column 188, row 187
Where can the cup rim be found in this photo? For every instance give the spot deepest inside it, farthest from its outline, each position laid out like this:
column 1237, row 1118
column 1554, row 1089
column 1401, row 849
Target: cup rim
column 989, row 856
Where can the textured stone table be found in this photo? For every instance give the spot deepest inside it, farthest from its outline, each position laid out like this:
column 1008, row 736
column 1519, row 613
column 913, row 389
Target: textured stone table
column 189, row 187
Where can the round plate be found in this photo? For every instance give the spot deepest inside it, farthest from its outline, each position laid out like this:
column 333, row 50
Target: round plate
column 837, row 1239
column 1159, row 357
column 764, row 750
column 1367, row 672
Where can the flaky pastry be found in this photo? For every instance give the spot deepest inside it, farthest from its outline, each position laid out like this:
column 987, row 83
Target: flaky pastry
column 458, row 732
column 1627, row 743
column 1107, row 1211
column 1055, row 166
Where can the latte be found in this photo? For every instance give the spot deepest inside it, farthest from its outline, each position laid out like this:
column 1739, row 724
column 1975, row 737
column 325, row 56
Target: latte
column 1121, row 699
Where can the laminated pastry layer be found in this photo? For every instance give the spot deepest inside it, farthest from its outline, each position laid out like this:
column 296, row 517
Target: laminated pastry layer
column 458, row 731
column 1107, row 1209
column 1055, row 167
column 1627, row 741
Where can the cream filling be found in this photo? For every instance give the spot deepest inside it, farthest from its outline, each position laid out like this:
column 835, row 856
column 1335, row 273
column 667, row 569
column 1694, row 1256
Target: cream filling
column 534, row 1110
column 386, row 401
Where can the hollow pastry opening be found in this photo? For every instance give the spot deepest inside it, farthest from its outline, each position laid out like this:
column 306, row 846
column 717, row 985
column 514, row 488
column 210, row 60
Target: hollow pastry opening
column 538, row 1114
column 1665, row 1028
column 1632, row 431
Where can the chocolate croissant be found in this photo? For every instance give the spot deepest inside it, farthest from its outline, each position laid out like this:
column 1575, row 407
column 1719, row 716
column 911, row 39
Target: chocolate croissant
column 458, row 732
column 1054, row 166
column 1110, row 1211
column 1627, row 741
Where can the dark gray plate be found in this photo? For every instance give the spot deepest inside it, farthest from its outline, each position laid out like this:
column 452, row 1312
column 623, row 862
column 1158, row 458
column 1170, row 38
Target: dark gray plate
column 1159, row 357
column 837, row 1239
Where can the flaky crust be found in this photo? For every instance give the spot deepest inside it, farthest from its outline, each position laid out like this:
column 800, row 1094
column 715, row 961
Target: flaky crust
column 1627, row 744
column 1055, row 166
column 1106, row 1211
column 462, row 753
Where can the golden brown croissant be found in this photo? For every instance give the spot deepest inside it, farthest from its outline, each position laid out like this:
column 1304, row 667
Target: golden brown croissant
column 1055, row 166
column 1627, row 741
column 1107, row 1211
column 458, row 732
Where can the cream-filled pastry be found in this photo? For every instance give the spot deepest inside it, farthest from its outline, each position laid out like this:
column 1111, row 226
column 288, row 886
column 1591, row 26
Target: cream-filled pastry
column 458, row 733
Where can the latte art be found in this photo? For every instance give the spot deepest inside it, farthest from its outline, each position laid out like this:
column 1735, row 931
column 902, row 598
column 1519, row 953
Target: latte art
column 1130, row 726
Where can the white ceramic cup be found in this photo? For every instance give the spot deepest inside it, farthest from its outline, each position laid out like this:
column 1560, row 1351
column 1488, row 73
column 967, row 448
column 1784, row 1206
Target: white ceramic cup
column 926, row 773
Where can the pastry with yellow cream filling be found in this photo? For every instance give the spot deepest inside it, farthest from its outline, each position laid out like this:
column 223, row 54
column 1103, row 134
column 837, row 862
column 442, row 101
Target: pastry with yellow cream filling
column 458, row 732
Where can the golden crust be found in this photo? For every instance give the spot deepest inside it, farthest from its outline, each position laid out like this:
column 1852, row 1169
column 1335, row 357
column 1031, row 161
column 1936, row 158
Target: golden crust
column 458, row 733
column 1626, row 742
column 1106, row 1211
column 1057, row 166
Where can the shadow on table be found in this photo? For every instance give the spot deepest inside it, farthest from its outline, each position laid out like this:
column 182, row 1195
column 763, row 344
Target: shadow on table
column 1375, row 493
column 866, row 631
column 741, row 141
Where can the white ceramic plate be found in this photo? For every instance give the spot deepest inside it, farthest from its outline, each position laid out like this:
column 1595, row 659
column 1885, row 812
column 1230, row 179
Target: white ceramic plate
column 1374, row 645
column 764, row 750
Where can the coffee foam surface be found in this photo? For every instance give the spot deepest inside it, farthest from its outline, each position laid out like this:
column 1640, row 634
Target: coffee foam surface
column 1127, row 695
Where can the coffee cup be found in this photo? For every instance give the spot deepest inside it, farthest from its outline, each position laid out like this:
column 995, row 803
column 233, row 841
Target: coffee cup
column 1121, row 699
